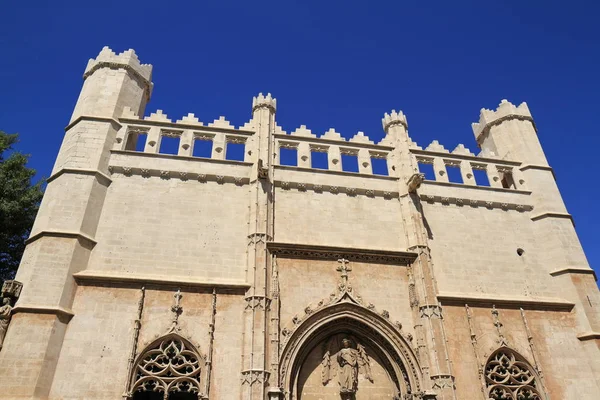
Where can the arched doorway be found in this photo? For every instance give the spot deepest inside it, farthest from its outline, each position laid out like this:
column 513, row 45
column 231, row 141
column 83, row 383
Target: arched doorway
column 346, row 351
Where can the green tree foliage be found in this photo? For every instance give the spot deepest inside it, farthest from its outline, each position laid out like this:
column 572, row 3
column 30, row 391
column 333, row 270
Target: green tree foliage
column 19, row 202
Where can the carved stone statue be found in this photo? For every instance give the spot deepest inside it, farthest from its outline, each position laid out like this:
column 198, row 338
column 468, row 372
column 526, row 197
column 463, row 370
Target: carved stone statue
column 348, row 373
column 350, row 362
column 9, row 295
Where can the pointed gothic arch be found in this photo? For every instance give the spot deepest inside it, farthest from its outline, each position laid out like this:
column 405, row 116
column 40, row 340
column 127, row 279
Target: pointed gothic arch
column 348, row 316
column 170, row 367
column 509, row 376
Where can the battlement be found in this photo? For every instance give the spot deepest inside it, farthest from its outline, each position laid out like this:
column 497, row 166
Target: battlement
column 127, row 59
column 505, row 111
column 394, row 118
column 264, row 101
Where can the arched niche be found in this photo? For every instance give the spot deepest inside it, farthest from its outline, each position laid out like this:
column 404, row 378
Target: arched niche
column 394, row 366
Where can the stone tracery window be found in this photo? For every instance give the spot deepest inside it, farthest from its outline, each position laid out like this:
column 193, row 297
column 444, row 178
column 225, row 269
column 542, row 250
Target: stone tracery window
column 169, row 367
column 509, row 377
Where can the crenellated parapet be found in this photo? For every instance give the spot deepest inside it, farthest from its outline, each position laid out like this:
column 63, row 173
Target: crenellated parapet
column 505, row 111
column 394, row 118
column 127, row 60
column 261, row 101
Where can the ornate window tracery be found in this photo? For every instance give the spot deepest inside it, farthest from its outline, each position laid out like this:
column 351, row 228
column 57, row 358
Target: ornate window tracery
column 169, row 366
column 509, row 377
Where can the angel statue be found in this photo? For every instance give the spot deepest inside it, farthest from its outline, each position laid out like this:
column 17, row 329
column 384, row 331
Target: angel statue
column 363, row 362
column 350, row 362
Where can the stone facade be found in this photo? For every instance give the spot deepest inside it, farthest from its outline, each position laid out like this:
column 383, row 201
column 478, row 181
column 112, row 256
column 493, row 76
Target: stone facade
column 173, row 276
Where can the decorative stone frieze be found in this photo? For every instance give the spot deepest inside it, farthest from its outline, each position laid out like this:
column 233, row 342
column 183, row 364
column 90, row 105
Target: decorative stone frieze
column 475, row 202
column 181, row 175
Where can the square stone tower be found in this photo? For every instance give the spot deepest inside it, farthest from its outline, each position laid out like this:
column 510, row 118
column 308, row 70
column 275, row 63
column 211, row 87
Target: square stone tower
column 232, row 268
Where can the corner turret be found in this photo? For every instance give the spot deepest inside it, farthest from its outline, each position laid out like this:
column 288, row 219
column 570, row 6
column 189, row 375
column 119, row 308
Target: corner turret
column 510, row 132
column 111, row 83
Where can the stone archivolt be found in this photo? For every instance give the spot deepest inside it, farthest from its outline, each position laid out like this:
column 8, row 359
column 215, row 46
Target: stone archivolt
column 345, row 312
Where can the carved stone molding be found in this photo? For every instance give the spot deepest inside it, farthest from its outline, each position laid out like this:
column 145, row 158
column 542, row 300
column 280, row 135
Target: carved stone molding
column 489, row 300
column 431, row 311
column 257, row 302
column 252, row 376
column 182, row 175
column 475, row 203
column 256, row 238
column 441, row 382
column 502, row 340
column 350, row 191
column 292, row 250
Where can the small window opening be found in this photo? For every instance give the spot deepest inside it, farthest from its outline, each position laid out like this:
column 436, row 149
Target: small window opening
column 169, row 144
column 319, row 160
column 350, row 162
column 454, row 174
column 481, row 178
column 202, row 148
column 288, row 156
column 235, row 151
column 507, row 180
column 136, row 141
column 379, row 166
column 427, row 169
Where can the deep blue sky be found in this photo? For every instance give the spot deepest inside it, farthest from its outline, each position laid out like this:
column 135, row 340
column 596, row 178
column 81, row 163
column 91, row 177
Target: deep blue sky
column 330, row 64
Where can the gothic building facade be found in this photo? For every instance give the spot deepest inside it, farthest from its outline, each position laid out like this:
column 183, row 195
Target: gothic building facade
column 235, row 269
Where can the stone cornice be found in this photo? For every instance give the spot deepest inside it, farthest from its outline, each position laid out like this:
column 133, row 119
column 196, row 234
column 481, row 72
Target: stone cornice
column 589, row 336
column 574, row 270
column 100, row 177
column 350, row 191
column 536, row 166
column 62, row 234
column 93, row 118
column 118, row 279
column 553, row 215
column 463, row 202
column 317, row 252
column 510, row 302
column 183, row 176
column 60, row 312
